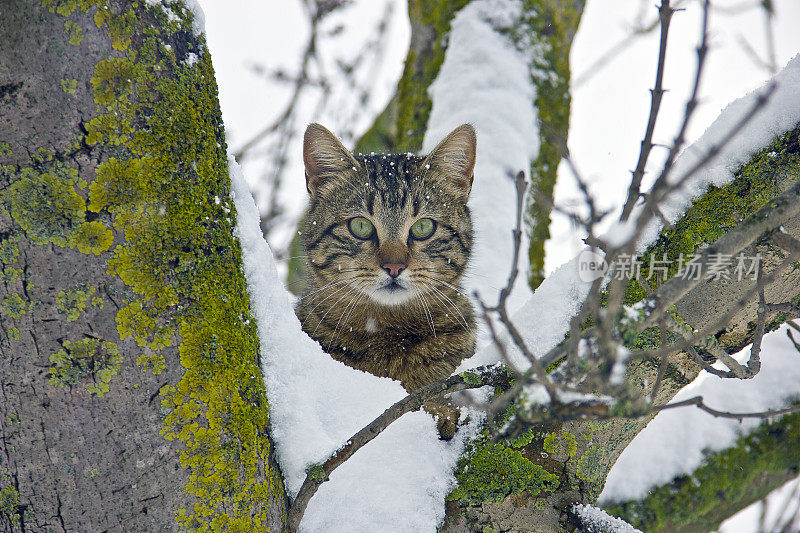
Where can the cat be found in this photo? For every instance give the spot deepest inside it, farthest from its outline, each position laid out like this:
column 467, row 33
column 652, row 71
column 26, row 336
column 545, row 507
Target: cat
column 387, row 239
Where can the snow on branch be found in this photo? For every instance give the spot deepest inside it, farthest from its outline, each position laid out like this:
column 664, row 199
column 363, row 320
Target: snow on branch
column 595, row 520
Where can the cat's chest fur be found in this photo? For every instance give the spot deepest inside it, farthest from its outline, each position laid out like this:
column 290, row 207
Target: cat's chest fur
column 413, row 350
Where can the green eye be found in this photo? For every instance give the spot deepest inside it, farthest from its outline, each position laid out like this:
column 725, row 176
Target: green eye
column 361, row 228
column 423, row 228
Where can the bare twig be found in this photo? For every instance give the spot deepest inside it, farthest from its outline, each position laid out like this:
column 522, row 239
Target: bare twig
column 501, row 309
column 665, row 13
column 640, row 29
column 754, row 363
column 698, row 402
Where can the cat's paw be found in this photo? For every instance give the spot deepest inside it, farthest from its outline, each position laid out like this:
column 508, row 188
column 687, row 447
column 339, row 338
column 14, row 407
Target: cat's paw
column 447, row 428
column 446, row 415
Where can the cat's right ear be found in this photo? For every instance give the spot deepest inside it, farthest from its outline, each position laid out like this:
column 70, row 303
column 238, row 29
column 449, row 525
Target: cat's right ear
column 323, row 156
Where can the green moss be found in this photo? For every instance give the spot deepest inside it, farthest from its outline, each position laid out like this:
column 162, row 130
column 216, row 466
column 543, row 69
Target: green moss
column 317, row 472
column 14, row 306
column 45, row 204
column 89, row 361
column 73, row 303
column 69, row 86
column 174, row 248
column 74, row 31
column 5, row 149
column 522, row 440
column 562, row 446
column 490, row 472
column 471, row 378
column 9, row 251
column 727, row 481
column 13, row 334
column 9, row 502
column 720, row 209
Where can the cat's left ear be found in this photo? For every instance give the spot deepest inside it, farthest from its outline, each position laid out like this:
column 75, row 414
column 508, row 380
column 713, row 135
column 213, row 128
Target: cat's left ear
column 455, row 157
column 324, row 157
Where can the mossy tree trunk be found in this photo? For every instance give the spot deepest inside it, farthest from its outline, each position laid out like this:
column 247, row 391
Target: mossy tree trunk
column 131, row 394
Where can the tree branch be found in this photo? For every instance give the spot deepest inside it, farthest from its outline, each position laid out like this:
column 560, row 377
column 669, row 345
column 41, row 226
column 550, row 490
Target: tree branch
column 665, row 13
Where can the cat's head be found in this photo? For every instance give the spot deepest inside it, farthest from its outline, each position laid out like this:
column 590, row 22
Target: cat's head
column 390, row 227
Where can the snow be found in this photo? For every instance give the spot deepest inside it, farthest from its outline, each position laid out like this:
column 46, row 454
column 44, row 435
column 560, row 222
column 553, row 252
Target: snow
column 672, row 444
column 779, row 114
column 486, row 81
column 543, row 320
column 191, row 59
column 199, row 17
column 598, row 521
column 399, row 480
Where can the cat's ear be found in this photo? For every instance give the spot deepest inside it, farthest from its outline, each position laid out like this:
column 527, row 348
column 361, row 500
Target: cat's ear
column 323, row 156
column 455, row 157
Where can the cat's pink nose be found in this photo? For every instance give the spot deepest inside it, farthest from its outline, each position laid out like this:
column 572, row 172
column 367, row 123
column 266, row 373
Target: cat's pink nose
column 394, row 269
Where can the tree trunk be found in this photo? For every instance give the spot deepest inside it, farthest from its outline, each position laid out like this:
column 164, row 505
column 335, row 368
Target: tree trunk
column 727, row 482
column 132, row 397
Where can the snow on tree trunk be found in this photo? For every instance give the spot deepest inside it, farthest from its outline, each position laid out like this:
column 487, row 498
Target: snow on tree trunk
column 131, row 394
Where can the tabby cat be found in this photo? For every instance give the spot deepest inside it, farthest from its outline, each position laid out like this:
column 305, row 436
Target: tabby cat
column 387, row 238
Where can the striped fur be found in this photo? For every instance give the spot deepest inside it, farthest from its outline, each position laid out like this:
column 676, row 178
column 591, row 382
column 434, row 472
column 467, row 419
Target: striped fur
column 418, row 329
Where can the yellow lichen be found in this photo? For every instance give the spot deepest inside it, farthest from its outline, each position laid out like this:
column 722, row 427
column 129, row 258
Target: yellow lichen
column 13, row 306
column 73, row 303
column 88, row 361
column 93, row 237
column 74, row 31
column 69, row 86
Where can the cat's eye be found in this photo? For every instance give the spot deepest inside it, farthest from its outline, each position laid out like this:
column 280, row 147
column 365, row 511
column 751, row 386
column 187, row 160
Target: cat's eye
column 361, row 228
column 423, row 228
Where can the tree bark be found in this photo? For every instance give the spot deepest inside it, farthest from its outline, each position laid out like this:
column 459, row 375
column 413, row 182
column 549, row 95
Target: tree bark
column 131, row 392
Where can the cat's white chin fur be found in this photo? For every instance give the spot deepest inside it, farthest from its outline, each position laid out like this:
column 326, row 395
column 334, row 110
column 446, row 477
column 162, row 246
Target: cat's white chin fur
column 389, row 293
column 391, row 297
